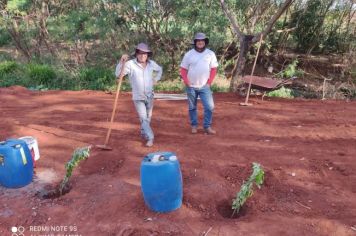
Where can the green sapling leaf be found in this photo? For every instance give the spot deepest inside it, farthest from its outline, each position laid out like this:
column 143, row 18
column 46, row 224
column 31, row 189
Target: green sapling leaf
column 78, row 155
column 246, row 190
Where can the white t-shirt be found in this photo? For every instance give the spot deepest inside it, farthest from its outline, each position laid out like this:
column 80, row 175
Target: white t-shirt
column 199, row 65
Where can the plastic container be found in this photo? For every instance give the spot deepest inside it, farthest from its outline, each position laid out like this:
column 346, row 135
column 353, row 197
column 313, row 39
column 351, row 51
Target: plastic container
column 33, row 146
column 161, row 181
column 16, row 167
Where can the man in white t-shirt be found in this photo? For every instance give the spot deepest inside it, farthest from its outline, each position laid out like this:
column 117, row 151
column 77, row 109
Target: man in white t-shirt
column 143, row 73
column 198, row 70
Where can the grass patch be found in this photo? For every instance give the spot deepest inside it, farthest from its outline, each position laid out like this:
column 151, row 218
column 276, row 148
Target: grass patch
column 96, row 78
column 41, row 74
column 169, row 86
column 7, row 67
column 5, row 38
column 219, row 85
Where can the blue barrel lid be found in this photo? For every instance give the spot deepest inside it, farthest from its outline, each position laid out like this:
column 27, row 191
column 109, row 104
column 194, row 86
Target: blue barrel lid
column 160, row 157
column 14, row 142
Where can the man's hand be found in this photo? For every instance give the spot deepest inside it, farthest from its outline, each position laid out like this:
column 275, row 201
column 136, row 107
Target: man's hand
column 118, row 80
column 124, row 57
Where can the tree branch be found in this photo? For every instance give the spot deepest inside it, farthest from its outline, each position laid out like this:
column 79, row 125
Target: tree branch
column 273, row 20
column 232, row 20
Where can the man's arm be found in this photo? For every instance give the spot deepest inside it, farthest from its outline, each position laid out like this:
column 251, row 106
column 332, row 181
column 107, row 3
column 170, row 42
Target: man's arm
column 212, row 75
column 184, row 75
column 122, row 68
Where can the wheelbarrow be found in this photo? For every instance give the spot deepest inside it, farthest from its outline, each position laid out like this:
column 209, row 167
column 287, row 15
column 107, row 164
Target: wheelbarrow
column 263, row 84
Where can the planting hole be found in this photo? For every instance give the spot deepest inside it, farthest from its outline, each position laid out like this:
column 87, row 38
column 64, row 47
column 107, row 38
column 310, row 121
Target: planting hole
column 225, row 210
column 53, row 193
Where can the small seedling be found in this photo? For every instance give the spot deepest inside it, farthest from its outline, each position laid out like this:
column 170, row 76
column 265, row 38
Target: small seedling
column 78, row 155
column 246, row 190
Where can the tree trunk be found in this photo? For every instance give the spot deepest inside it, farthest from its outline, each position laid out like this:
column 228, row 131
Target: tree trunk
column 241, row 62
column 43, row 27
column 20, row 43
column 246, row 41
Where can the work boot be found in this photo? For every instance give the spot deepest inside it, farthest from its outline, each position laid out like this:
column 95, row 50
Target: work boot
column 209, row 130
column 194, row 130
column 149, row 143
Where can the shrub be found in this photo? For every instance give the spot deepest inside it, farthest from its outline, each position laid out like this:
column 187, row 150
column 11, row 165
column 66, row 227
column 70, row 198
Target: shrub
column 291, row 70
column 7, row 67
column 96, row 78
column 282, row 93
column 5, row 37
column 11, row 74
column 64, row 80
column 8, row 80
column 41, row 74
column 5, row 56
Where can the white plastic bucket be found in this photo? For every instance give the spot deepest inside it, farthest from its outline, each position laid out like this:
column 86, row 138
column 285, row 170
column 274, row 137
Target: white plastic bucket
column 33, row 146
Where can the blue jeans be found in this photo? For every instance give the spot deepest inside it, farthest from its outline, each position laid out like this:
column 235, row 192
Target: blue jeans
column 206, row 98
column 144, row 111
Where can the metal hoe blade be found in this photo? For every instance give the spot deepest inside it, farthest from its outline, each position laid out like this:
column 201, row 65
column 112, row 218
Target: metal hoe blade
column 245, row 104
column 104, row 147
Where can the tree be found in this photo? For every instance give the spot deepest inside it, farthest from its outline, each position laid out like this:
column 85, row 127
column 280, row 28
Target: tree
column 26, row 22
column 309, row 24
column 13, row 13
column 257, row 12
column 322, row 25
column 169, row 26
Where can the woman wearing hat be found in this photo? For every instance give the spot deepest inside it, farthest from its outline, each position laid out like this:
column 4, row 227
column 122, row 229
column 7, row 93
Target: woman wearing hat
column 143, row 73
column 198, row 70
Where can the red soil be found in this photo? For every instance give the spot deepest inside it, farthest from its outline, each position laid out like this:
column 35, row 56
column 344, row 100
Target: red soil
column 307, row 148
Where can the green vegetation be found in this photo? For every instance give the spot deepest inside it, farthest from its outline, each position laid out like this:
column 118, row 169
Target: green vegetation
column 95, row 78
column 246, row 191
column 79, row 154
column 7, row 67
column 41, row 74
column 67, row 45
column 5, row 37
column 282, row 93
column 291, row 70
column 44, row 76
column 169, row 85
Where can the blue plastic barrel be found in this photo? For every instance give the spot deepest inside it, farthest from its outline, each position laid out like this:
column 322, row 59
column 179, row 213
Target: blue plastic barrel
column 161, row 181
column 16, row 167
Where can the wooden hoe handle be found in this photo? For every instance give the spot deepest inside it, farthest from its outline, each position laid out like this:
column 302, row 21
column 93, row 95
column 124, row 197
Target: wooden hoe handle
column 121, row 76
